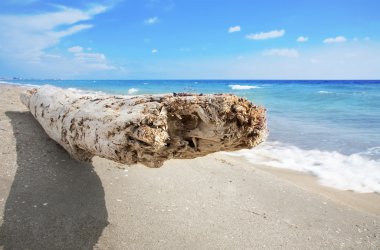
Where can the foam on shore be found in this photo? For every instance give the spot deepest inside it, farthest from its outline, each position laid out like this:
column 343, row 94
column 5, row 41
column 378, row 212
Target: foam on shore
column 20, row 84
column 356, row 172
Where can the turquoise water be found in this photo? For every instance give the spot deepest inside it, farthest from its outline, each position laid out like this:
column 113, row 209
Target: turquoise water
column 322, row 124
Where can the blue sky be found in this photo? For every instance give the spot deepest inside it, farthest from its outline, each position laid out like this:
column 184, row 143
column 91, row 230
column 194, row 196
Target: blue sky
column 177, row 39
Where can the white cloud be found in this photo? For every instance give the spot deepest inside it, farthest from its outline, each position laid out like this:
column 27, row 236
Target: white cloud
column 98, row 9
column 302, row 39
column 154, row 51
column 75, row 49
column 52, row 57
column 31, row 35
column 338, row 39
column 72, row 30
column 89, row 59
column 266, row 35
column 234, row 29
column 26, row 41
column 282, row 52
column 323, row 62
column 152, row 20
column 51, row 20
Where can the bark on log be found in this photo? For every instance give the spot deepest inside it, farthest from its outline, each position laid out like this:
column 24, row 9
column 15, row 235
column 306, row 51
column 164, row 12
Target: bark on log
column 149, row 128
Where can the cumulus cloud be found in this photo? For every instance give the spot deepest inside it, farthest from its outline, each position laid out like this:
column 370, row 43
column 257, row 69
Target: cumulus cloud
column 282, row 52
column 234, row 29
column 266, row 35
column 338, row 39
column 302, row 39
column 152, row 20
column 89, row 59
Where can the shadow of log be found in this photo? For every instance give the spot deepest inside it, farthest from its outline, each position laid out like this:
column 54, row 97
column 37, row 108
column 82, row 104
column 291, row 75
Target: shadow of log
column 55, row 202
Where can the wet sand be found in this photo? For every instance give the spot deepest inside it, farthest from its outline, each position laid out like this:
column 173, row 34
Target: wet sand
column 50, row 201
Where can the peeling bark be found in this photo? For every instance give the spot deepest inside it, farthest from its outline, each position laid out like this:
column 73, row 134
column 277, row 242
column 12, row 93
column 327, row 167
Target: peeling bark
column 149, row 128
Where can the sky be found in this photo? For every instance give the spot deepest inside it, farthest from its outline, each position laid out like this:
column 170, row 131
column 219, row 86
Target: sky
column 197, row 39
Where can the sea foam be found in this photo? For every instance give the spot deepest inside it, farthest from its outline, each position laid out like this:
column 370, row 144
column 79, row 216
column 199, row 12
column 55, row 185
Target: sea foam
column 242, row 87
column 132, row 91
column 355, row 172
column 324, row 92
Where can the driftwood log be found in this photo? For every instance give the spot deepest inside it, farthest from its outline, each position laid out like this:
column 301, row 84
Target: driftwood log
column 147, row 129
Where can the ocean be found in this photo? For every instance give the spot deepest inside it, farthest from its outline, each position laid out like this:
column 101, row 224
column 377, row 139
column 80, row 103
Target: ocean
column 330, row 129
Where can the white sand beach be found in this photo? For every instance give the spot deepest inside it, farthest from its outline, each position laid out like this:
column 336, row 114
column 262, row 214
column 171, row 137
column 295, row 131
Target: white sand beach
column 50, row 201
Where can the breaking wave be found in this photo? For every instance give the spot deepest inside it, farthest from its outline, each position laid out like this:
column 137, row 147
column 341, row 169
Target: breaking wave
column 243, row 87
column 132, row 91
column 325, row 92
column 356, row 172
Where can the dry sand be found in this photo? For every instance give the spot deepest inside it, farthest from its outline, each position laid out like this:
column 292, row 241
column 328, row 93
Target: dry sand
column 49, row 201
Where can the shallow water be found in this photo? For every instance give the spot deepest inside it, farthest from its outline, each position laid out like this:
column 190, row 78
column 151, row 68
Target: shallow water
column 328, row 128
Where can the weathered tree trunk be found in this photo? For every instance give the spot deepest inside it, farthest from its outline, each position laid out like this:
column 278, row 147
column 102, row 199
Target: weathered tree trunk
column 149, row 128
